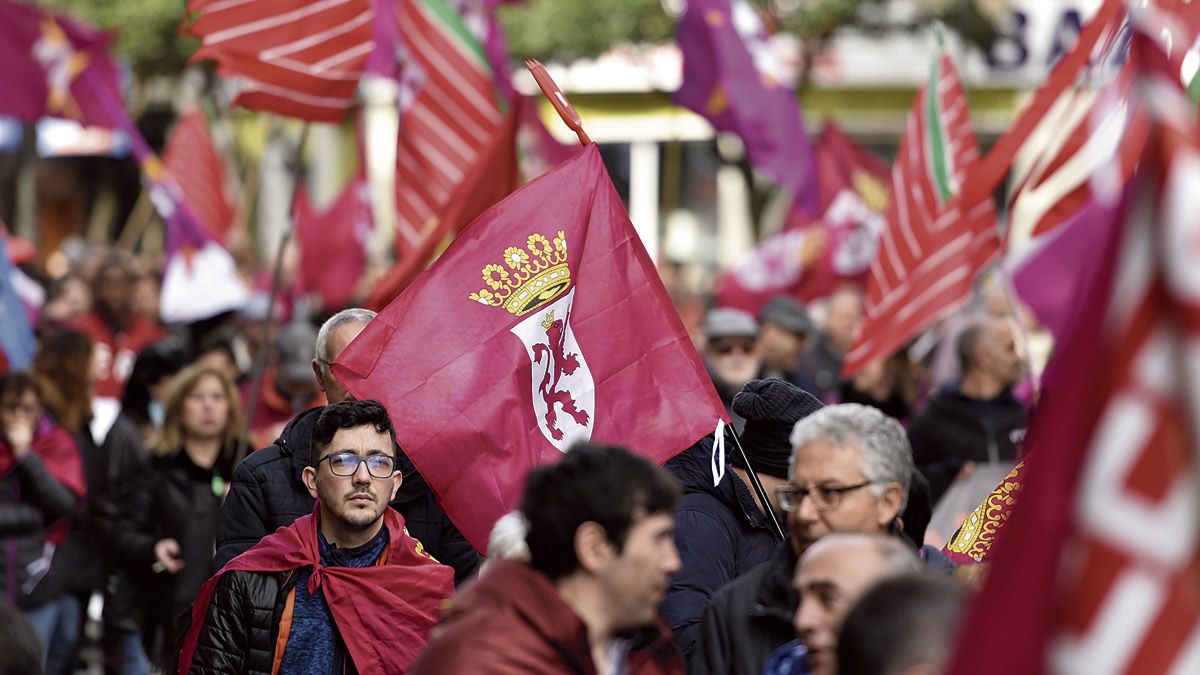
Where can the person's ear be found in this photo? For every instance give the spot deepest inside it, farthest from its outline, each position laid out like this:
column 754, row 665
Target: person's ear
column 397, row 481
column 310, row 480
column 319, row 373
column 889, row 504
column 592, row 547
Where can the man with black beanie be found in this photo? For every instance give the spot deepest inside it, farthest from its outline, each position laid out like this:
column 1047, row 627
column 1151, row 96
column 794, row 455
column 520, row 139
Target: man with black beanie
column 721, row 527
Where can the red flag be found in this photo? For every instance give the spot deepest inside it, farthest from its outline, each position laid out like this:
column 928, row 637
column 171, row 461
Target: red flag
column 809, row 259
column 492, row 178
column 544, row 323
column 192, row 158
column 453, row 114
column 300, row 58
column 1098, row 570
column 333, row 243
column 933, row 244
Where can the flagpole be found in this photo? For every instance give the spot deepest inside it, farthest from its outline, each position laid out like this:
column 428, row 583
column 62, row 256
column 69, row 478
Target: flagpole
column 264, row 349
column 756, row 483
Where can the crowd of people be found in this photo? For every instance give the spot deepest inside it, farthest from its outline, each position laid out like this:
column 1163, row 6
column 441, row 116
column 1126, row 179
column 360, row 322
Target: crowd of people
column 165, row 505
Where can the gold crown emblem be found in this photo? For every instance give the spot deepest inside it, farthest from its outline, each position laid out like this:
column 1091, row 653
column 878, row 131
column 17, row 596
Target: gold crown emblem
column 528, row 278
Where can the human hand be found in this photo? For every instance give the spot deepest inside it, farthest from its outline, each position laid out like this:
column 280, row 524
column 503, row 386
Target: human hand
column 20, row 436
column 166, row 556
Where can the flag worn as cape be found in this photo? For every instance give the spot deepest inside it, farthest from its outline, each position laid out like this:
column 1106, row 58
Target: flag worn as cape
column 384, row 612
column 544, row 323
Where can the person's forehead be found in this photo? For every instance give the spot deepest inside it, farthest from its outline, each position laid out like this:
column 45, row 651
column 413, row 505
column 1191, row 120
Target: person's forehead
column 844, row 565
column 822, row 460
column 363, row 438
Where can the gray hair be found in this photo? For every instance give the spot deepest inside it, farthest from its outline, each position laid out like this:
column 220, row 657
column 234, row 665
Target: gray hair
column 507, row 540
column 352, row 315
column 887, row 455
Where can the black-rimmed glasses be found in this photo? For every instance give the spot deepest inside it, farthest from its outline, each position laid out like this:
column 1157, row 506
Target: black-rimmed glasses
column 346, row 464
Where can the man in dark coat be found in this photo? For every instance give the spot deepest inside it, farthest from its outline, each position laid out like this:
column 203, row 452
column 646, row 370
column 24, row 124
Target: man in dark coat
column 976, row 419
column 722, row 531
column 343, row 589
column 850, row 471
column 601, row 552
column 267, row 491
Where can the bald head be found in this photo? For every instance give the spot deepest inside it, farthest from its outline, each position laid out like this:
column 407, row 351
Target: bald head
column 830, row 577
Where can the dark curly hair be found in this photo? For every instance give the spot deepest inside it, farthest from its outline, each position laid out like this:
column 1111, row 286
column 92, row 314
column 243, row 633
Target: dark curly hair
column 347, row 415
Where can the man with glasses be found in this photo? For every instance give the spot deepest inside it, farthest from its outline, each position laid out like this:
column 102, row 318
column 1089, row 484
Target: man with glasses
column 731, row 354
column 268, row 490
column 343, row 589
column 850, row 471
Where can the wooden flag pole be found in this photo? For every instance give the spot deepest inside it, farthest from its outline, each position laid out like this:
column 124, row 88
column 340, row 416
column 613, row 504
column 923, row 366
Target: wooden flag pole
column 557, row 99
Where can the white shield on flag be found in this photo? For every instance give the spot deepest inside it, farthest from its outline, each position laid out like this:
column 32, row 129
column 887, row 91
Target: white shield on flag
column 564, row 394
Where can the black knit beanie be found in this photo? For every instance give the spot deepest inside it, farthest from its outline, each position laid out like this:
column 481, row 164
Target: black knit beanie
column 771, row 409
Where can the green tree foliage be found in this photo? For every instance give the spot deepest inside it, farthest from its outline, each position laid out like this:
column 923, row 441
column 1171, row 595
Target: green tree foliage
column 567, row 29
column 147, row 30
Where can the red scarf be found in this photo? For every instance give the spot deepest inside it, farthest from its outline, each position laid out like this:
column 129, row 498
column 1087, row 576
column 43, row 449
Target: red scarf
column 59, row 453
column 383, row 614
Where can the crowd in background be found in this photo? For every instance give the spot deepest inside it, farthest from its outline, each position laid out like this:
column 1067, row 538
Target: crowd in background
column 119, row 444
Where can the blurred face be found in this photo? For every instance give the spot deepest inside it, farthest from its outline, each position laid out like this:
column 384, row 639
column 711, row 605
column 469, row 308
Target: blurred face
column 219, row 359
column 828, row 582
column 74, row 301
column 206, row 409
column 636, row 580
column 145, row 297
column 781, row 348
column 114, row 290
column 845, row 308
column 338, row 338
column 999, row 354
column 19, row 408
column 356, row 502
column 824, row 464
column 736, row 359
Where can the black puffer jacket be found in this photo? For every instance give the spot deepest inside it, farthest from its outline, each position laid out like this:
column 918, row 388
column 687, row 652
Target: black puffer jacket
column 268, row 492
column 241, row 625
column 721, row 534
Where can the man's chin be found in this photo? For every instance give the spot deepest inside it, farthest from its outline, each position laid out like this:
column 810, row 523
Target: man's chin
column 821, row 662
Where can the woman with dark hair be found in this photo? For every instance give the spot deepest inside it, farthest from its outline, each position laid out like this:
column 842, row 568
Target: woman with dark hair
column 168, row 517
column 65, row 370
column 41, row 481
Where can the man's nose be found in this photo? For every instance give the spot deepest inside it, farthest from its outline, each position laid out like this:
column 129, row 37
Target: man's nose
column 806, row 621
column 362, row 474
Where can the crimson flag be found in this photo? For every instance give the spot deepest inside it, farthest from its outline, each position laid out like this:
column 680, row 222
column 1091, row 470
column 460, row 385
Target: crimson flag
column 543, row 324
column 192, row 158
column 809, row 259
column 333, row 242
column 300, row 58
column 1098, row 569
column 934, row 244
column 491, row 179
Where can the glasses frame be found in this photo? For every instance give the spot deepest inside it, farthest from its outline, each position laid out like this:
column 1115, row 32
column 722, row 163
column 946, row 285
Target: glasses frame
column 361, row 460
column 834, row 495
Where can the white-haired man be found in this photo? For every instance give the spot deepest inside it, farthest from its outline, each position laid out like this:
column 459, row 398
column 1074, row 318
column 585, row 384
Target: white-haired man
column 850, row 471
